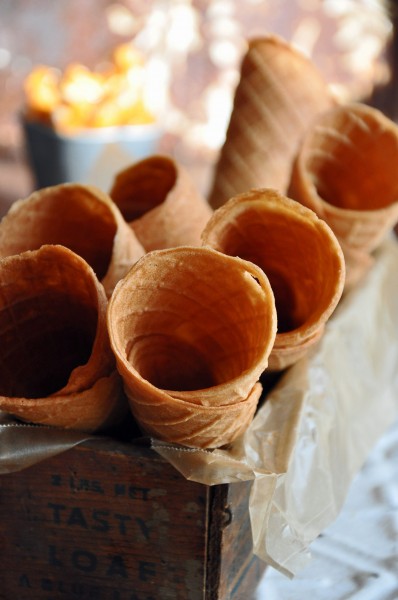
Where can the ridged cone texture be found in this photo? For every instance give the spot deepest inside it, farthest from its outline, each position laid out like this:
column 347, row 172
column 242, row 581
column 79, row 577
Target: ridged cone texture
column 300, row 256
column 346, row 171
column 160, row 201
column 57, row 367
column 192, row 330
column 79, row 217
column 279, row 93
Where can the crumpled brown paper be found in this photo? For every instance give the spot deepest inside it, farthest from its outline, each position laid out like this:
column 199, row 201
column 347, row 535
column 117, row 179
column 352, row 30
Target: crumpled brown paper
column 310, row 437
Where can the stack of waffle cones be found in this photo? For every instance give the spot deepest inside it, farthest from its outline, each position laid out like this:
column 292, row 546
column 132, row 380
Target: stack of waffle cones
column 192, row 329
column 346, row 171
column 279, row 93
column 299, row 254
column 184, row 303
column 56, row 364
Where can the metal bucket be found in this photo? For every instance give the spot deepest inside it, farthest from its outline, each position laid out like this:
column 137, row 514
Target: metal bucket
column 57, row 158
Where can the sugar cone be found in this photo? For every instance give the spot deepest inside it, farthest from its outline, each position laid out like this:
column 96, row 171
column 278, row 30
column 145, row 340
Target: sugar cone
column 56, row 366
column 159, row 200
column 79, row 217
column 346, row 171
column 279, row 93
column 299, row 254
column 192, row 330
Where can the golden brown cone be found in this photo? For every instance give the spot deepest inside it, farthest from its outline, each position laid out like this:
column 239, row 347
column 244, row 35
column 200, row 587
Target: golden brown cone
column 192, row 330
column 159, row 200
column 346, row 171
column 279, row 93
column 79, row 217
column 357, row 263
column 299, row 254
column 181, row 422
column 56, row 367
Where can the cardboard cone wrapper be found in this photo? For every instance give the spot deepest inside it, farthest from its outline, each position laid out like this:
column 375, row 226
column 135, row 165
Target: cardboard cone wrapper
column 79, row 217
column 346, row 171
column 279, row 93
column 299, row 254
column 56, row 365
column 157, row 197
column 192, row 330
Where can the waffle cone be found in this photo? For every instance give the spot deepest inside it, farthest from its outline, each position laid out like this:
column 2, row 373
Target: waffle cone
column 299, row 254
column 194, row 425
column 192, row 330
column 345, row 171
column 56, row 366
column 279, row 93
column 79, row 217
column 157, row 197
column 358, row 263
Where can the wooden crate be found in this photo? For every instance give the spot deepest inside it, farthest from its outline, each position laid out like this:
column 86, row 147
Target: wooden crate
column 109, row 520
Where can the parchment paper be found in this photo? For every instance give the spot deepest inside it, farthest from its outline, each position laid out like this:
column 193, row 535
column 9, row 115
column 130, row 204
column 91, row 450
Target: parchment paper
column 309, row 438
column 23, row 445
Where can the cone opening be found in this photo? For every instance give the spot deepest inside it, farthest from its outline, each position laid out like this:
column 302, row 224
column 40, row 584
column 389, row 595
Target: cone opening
column 195, row 323
column 171, row 363
column 143, row 186
column 48, row 320
column 68, row 215
column 294, row 251
column 351, row 156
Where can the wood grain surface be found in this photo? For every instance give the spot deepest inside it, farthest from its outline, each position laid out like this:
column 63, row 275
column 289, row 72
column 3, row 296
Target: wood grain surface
column 113, row 521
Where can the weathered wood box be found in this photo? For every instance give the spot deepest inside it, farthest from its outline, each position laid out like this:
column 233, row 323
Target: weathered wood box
column 108, row 520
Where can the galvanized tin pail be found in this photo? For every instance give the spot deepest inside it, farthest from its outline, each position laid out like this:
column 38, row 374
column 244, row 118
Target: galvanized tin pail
column 57, row 158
